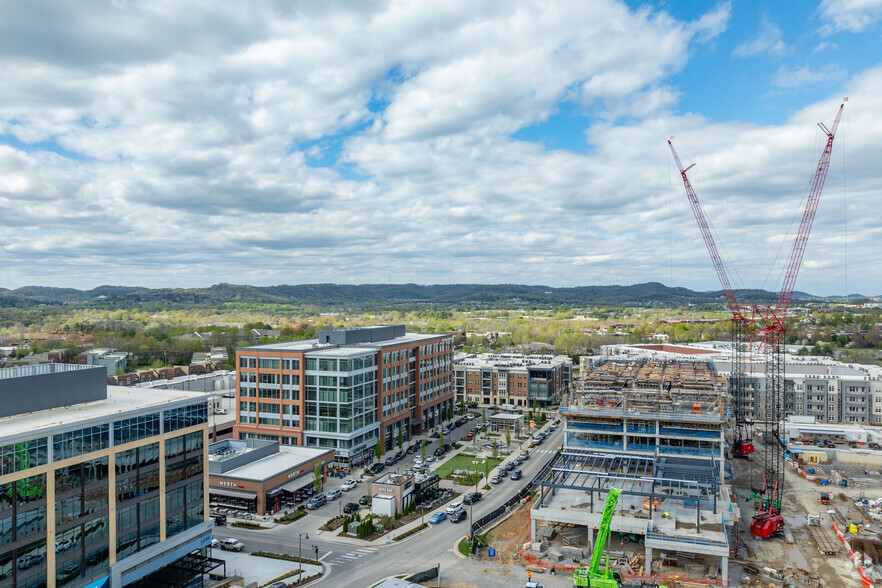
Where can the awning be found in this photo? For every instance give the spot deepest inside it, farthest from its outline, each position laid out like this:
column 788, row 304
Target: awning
column 230, row 493
column 296, row 484
column 416, row 422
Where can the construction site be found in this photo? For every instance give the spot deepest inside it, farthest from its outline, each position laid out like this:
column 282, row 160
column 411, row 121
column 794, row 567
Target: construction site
column 667, row 475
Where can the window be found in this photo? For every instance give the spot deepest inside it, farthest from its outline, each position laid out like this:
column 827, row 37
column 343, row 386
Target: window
column 290, row 363
column 268, row 363
column 248, row 362
column 79, row 442
column 24, row 455
column 187, row 416
column 141, row 427
column 327, row 365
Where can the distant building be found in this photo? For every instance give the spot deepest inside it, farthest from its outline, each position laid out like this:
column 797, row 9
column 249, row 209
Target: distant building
column 216, row 355
column 345, row 390
column 491, row 379
column 55, row 356
column 101, row 482
column 109, row 358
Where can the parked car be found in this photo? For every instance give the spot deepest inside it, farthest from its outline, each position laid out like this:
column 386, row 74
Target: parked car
column 63, row 544
column 829, row 444
column 390, row 461
column 524, row 455
column 278, row 585
column 495, row 479
column 417, row 460
column 334, row 494
column 819, row 443
column 220, row 411
column 70, row 570
column 469, row 435
column 431, row 458
column 517, row 461
column 364, row 500
column 215, row 542
column 458, row 516
column 438, row 452
column 516, row 475
column 453, row 507
column 348, row 485
column 30, row 559
column 350, row 508
column 376, row 468
column 316, row 501
column 472, row 497
column 412, row 449
column 438, row 517
column 552, row 427
column 535, row 441
column 230, row 544
column 874, row 446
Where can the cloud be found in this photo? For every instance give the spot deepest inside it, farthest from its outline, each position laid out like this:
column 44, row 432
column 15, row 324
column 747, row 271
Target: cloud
column 347, row 141
column 795, row 77
column 854, row 16
column 768, row 40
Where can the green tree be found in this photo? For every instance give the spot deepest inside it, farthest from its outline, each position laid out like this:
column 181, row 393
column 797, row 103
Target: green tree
column 119, row 372
column 508, row 438
column 441, row 439
column 423, row 450
column 462, row 406
column 484, row 414
column 378, row 449
column 495, row 451
column 400, row 437
column 450, row 413
column 317, row 477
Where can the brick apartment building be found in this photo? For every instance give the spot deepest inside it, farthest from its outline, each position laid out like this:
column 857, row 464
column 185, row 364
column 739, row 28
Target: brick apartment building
column 491, row 379
column 345, row 389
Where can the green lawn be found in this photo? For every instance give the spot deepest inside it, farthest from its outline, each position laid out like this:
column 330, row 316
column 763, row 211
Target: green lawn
column 463, row 461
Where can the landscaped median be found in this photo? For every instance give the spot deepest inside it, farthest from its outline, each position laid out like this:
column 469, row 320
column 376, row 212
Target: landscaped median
column 459, row 465
column 300, row 581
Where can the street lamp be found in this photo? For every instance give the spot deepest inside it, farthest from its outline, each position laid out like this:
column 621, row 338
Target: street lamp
column 300, row 552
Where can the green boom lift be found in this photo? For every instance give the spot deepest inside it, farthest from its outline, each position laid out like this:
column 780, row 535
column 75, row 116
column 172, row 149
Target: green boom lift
column 591, row 576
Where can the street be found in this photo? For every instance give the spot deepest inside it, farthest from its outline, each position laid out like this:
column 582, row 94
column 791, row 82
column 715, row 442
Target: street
column 364, row 564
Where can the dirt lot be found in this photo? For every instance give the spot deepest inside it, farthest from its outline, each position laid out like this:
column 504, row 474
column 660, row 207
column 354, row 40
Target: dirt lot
column 802, row 497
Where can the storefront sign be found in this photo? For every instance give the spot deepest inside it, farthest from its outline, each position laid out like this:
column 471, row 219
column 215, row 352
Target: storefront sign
column 292, row 474
column 230, row 484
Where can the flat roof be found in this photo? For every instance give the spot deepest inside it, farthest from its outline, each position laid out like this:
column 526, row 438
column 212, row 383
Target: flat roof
column 503, row 416
column 352, row 349
column 288, row 458
column 120, row 400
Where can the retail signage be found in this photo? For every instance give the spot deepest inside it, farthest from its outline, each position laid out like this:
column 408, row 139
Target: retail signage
column 230, row 484
column 297, row 473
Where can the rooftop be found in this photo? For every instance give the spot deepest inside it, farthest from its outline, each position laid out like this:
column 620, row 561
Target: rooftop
column 120, row 399
column 330, row 349
column 288, row 458
column 510, row 360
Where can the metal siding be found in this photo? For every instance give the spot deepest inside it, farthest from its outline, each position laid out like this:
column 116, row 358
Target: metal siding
column 44, row 391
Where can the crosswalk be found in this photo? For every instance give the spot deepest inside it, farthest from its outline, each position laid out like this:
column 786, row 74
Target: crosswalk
column 348, row 557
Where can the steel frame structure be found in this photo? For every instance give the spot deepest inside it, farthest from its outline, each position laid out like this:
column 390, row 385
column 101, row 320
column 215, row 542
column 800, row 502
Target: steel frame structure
column 595, row 472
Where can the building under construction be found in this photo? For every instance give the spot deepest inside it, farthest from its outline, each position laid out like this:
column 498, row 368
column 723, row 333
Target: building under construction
column 655, row 430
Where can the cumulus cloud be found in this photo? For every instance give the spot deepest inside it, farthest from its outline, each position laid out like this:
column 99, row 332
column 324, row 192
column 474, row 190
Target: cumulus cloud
column 854, row 16
column 367, row 141
column 768, row 40
column 794, row 77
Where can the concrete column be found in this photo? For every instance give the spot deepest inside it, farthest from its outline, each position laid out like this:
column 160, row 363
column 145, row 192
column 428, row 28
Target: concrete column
column 50, row 527
column 725, row 566
column 532, row 529
column 590, row 539
column 163, row 519
column 648, row 562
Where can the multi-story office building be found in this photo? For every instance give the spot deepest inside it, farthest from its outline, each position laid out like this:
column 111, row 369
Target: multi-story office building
column 110, row 359
column 345, row 389
column 491, row 379
column 98, row 482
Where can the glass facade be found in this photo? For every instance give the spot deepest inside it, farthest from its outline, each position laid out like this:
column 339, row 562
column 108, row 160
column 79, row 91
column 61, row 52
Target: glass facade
column 137, row 499
column 184, row 491
column 187, row 416
column 135, row 428
column 23, row 456
column 81, row 527
column 23, row 532
column 80, row 442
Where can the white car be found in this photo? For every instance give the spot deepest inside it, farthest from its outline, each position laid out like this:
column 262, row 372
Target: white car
column 453, row 507
column 215, row 542
column 348, row 485
column 63, row 544
column 334, row 494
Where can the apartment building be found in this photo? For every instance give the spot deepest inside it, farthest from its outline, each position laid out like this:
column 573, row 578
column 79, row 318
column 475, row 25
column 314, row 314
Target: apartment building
column 828, row 390
column 345, row 390
column 109, row 358
column 99, row 483
column 496, row 379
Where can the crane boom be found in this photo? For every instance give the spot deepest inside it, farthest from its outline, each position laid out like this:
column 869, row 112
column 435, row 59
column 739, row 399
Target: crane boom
column 734, row 305
column 808, row 217
column 609, row 510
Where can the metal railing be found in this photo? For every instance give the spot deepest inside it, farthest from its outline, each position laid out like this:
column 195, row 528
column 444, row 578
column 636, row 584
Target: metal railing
column 666, row 416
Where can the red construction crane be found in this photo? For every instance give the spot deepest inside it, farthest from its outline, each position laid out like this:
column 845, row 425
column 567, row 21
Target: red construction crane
column 741, row 447
column 768, row 521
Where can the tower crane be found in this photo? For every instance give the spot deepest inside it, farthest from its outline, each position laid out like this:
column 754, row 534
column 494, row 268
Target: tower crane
column 741, row 446
column 771, row 322
column 768, row 520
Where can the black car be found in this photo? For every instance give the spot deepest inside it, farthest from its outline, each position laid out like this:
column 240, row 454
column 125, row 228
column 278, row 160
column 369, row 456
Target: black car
column 412, row 449
column 875, row 446
column 458, row 516
column 376, row 468
column 364, row 500
column 516, row 475
column 472, row 497
column 220, row 520
column 438, row 452
column 391, row 461
column 350, row 508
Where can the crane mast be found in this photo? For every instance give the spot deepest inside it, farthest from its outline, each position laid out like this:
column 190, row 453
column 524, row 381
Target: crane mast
column 741, row 446
column 769, row 521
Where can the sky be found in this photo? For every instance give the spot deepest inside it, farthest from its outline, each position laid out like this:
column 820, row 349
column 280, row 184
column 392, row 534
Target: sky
column 184, row 144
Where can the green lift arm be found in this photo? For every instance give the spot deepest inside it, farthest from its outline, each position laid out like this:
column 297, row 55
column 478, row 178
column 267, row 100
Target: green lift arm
column 591, row 576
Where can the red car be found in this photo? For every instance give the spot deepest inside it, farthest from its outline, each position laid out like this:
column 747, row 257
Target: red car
column 470, row 435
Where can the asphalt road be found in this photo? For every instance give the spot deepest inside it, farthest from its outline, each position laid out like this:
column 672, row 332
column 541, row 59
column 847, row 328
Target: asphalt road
column 370, row 564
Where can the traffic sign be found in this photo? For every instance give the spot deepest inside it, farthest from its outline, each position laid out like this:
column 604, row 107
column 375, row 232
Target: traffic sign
column 491, row 552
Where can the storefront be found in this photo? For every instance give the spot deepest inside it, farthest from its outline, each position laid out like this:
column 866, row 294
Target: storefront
column 261, row 477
